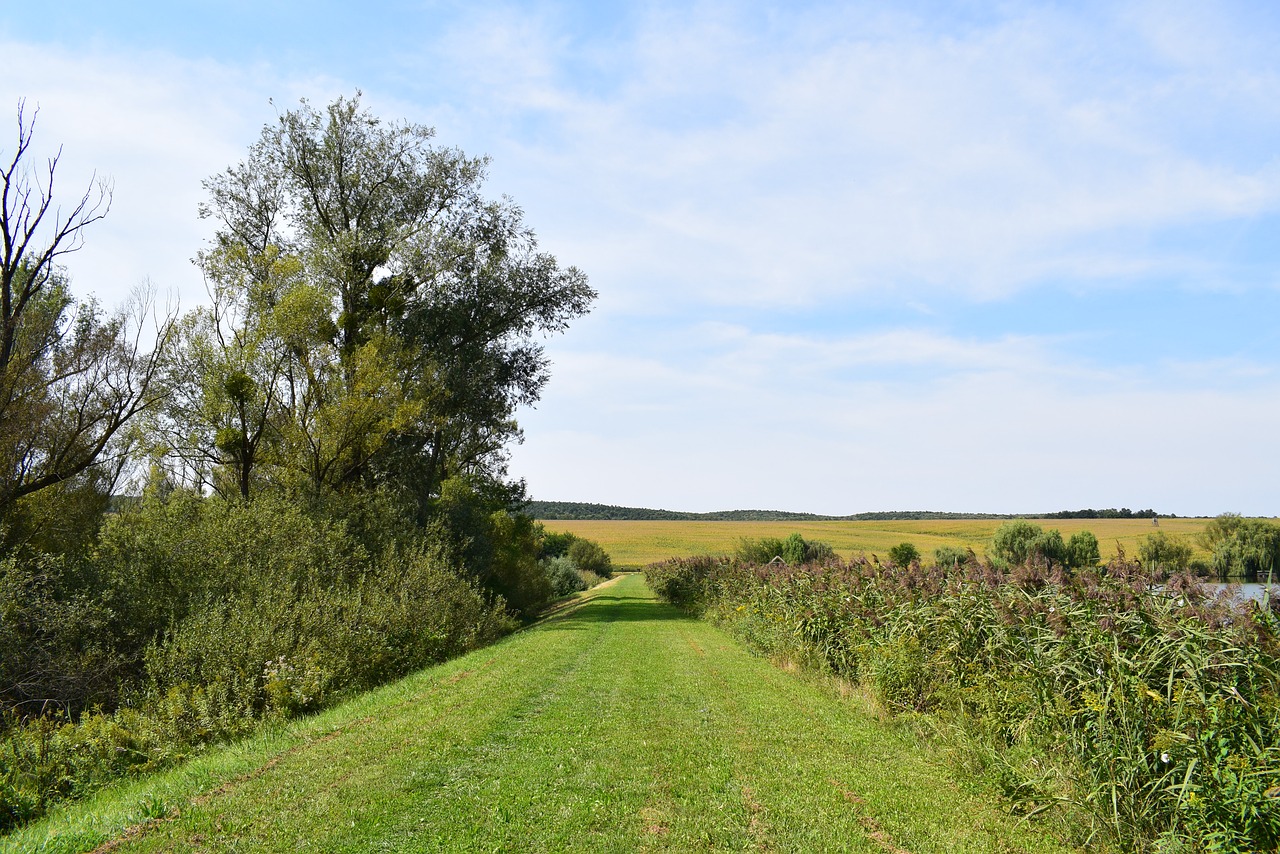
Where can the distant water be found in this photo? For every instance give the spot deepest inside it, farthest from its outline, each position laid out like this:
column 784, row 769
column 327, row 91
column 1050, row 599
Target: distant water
column 1248, row 590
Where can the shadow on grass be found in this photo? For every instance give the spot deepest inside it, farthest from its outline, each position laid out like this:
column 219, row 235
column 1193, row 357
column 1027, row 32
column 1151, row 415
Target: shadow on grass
column 611, row 609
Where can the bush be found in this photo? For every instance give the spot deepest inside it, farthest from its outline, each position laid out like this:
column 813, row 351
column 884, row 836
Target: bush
column 498, row 549
column 794, row 550
column 589, row 556
column 1083, row 551
column 226, row 613
column 57, row 650
column 1243, row 548
column 555, row 544
column 1020, row 542
column 1162, row 552
column 904, row 554
column 952, row 556
column 564, row 575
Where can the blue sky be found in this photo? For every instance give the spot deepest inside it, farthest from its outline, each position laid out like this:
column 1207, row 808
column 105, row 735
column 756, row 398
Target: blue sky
column 956, row 256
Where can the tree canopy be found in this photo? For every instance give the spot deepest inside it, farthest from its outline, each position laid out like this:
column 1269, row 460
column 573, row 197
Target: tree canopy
column 374, row 317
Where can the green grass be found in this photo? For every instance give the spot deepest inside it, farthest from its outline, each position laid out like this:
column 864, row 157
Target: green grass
column 640, row 543
column 618, row 725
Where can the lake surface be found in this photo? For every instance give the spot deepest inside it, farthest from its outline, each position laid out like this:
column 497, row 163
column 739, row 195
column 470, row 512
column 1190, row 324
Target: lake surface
column 1248, row 590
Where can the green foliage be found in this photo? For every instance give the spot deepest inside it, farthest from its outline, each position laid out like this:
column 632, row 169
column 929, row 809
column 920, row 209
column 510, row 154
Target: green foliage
column 71, row 377
column 1162, row 552
column 211, row 615
column 1013, row 541
column 1243, row 548
column 904, row 554
column 1153, row 709
column 794, row 550
column 555, row 544
column 376, row 319
column 685, row 582
column 56, row 638
column 952, row 556
column 495, row 547
column 1019, row 542
column 589, row 556
column 1083, row 551
column 514, row 572
column 564, row 576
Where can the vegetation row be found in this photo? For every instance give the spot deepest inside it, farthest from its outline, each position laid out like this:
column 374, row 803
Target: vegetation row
column 315, row 457
column 581, row 510
column 1125, row 705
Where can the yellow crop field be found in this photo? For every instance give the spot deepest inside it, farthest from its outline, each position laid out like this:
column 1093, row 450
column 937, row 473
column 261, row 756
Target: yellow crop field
column 638, row 543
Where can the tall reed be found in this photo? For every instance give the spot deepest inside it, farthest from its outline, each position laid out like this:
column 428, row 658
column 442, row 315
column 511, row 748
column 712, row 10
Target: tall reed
column 1143, row 710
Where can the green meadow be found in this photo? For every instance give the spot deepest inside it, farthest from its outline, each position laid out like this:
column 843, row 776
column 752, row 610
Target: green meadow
column 618, row 724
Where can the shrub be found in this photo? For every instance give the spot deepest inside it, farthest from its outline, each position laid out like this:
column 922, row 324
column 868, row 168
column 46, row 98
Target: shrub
column 56, row 638
column 555, row 544
column 1162, row 552
column 904, row 554
column 564, row 575
column 952, row 556
column 226, row 613
column 794, row 550
column 589, row 556
column 1082, row 550
column 1247, row 548
column 1019, row 542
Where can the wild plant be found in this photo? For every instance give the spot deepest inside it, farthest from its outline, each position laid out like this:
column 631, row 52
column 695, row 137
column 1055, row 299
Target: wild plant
column 1142, row 708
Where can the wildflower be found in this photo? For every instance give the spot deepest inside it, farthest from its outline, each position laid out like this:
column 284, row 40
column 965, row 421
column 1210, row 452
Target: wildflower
column 1099, row 670
column 1164, row 757
column 1181, row 602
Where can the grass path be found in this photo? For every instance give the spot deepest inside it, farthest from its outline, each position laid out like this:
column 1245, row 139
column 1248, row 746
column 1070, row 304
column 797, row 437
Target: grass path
column 618, row 725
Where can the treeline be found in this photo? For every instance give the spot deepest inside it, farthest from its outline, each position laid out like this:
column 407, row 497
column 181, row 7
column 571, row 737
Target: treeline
column 579, row 510
column 1125, row 705
column 316, row 458
column 1112, row 513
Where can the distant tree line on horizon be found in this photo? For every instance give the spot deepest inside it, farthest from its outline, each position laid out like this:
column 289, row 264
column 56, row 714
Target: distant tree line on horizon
column 587, row 511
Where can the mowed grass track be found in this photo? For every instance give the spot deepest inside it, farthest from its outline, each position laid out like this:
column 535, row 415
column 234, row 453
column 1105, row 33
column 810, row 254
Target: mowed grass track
column 618, row 725
column 640, row 543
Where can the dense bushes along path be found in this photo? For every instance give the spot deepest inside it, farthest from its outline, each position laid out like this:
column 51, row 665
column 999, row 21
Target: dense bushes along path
column 616, row 725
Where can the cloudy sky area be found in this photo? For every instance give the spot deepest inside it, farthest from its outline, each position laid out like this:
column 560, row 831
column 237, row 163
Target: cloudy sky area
column 1011, row 257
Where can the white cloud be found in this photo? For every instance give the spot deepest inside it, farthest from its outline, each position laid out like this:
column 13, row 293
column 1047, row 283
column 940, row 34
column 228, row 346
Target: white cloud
column 156, row 126
column 995, row 427
column 794, row 166
column 701, row 164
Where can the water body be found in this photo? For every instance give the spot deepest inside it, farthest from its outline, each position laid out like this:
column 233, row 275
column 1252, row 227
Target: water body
column 1248, row 590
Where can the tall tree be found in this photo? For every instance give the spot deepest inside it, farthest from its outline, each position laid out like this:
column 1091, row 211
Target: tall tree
column 71, row 378
column 408, row 329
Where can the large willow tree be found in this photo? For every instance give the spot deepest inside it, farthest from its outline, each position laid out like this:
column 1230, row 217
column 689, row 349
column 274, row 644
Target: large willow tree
column 374, row 317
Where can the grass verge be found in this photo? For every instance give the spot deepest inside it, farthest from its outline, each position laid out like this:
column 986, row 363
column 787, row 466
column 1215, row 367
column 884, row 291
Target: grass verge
column 616, row 725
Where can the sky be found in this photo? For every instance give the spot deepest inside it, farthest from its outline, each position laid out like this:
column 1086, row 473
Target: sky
column 972, row 257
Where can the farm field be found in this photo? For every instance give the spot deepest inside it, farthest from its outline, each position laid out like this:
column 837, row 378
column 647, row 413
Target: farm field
column 639, row 543
column 618, row 725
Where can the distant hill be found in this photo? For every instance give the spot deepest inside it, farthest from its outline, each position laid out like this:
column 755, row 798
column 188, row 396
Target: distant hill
column 581, row 510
